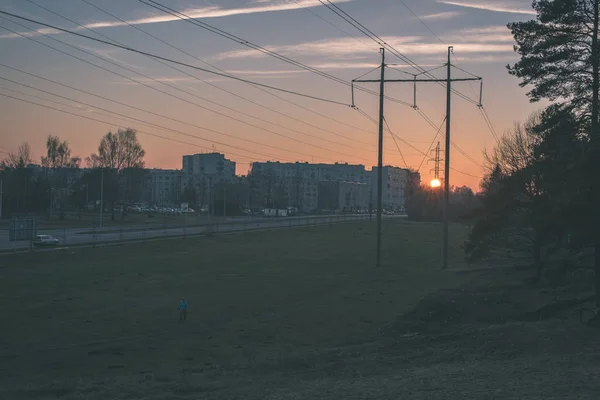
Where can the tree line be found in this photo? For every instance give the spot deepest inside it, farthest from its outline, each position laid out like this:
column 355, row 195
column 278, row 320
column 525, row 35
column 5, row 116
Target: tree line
column 27, row 189
column 539, row 198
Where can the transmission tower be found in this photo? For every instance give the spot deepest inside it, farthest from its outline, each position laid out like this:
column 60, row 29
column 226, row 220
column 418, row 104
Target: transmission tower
column 436, row 169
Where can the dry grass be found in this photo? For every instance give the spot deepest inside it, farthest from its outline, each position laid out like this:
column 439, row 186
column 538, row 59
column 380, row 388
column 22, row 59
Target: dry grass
column 299, row 314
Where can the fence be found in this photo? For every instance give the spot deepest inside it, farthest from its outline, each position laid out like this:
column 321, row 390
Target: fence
column 94, row 236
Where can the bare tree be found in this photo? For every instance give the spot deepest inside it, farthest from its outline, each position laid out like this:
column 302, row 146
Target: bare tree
column 19, row 159
column 59, row 154
column 120, row 150
column 514, row 151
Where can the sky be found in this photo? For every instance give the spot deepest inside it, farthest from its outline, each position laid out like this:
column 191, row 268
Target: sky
column 179, row 110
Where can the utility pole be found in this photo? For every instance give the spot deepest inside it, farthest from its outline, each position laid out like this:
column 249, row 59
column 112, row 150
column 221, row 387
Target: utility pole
column 51, row 190
column 447, row 158
column 101, row 195
column 380, row 157
column 212, row 199
column 371, row 201
column 224, row 198
column 448, row 81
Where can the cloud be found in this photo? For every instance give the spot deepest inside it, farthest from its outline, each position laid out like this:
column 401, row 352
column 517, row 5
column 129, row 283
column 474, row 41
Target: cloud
column 482, row 59
column 261, row 6
column 491, row 6
column 486, row 30
column 348, row 49
column 264, row 72
column 342, row 65
column 442, row 15
column 486, row 34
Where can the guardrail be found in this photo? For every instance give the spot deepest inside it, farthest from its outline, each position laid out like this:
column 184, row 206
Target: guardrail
column 119, row 234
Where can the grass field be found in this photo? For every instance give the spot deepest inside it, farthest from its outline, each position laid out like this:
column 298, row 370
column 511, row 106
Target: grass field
column 290, row 314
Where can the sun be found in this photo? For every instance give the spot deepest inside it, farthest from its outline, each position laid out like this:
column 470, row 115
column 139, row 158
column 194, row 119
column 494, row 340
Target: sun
column 435, row 183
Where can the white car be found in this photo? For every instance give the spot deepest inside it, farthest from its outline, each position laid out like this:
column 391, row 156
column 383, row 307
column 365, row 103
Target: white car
column 45, row 240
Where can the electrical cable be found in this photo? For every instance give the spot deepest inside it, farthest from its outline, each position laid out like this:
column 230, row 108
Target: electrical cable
column 216, row 68
column 159, row 90
column 408, row 144
column 332, row 24
column 489, row 123
column 396, row 143
column 169, row 60
column 422, row 22
column 124, row 127
column 194, row 21
column 465, row 71
column 461, row 151
column 149, row 123
column 382, row 43
column 431, row 145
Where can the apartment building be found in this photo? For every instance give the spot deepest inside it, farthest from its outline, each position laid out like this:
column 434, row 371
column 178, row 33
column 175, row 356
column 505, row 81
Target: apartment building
column 163, row 186
column 395, row 182
column 297, row 184
column 203, row 171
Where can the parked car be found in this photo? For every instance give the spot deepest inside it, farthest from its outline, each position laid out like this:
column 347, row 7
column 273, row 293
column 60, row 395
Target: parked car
column 45, row 240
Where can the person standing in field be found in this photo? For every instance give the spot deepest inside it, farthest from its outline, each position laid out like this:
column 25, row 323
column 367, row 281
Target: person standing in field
column 183, row 304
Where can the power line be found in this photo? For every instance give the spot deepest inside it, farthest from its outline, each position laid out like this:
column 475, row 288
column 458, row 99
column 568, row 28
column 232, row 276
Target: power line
column 432, row 142
column 182, row 16
column 422, row 22
column 166, row 93
column 466, row 173
column 162, row 58
column 123, row 117
column 145, row 122
column 380, row 41
column 373, row 120
column 129, row 106
column 395, row 142
column 367, row 32
column 465, row 71
column 166, row 59
column 422, row 153
column 123, row 127
column 195, row 95
column 487, row 120
column 432, row 124
column 388, row 65
column 408, row 144
column 216, row 68
column 332, row 24
column 194, row 21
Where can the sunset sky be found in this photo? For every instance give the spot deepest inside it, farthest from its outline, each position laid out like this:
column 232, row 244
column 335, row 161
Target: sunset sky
column 273, row 128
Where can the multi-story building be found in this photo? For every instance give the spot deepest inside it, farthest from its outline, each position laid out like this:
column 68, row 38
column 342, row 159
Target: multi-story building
column 343, row 196
column 202, row 171
column 163, row 186
column 319, row 172
column 297, row 184
column 395, row 183
column 208, row 164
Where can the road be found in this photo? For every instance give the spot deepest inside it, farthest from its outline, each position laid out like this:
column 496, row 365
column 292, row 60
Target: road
column 83, row 236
